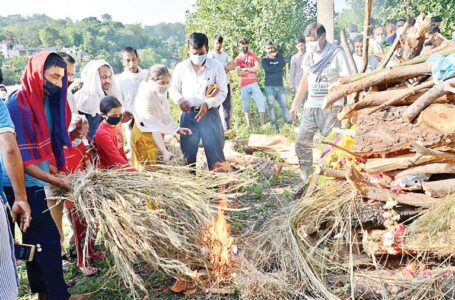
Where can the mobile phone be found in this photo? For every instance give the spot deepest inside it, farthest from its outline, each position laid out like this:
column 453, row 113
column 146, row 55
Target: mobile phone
column 24, row 252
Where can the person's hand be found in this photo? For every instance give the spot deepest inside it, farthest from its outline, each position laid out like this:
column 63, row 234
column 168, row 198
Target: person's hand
column 65, row 182
column 126, row 116
column 167, row 156
column 203, row 108
column 184, row 131
column 293, row 113
column 21, row 209
column 184, row 105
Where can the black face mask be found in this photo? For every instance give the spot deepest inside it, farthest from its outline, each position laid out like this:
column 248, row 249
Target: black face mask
column 113, row 120
column 50, row 88
column 244, row 50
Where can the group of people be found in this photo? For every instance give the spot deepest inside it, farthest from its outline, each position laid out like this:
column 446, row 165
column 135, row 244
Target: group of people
column 47, row 132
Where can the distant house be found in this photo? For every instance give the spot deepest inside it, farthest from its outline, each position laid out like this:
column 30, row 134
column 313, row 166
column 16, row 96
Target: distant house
column 9, row 48
column 77, row 53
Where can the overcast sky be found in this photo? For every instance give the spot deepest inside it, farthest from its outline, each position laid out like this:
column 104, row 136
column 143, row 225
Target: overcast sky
column 147, row 12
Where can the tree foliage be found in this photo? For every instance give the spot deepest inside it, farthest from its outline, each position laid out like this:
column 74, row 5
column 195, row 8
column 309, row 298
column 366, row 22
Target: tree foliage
column 100, row 38
column 281, row 21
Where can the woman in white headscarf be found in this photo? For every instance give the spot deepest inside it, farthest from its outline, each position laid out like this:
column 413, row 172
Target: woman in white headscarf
column 97, row 79
column 152, row 119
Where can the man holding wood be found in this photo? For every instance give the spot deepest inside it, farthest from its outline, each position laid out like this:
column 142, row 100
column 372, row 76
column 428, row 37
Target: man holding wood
column 323, row 64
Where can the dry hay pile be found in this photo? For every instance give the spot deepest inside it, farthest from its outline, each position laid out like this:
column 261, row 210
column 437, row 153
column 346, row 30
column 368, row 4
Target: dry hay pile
column 152, row 218
column 311, row 250
column 290, row 257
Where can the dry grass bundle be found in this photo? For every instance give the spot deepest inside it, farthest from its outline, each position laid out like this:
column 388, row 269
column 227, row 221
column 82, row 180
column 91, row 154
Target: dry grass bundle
column 434, row 221
column 154, row 218
column 306, row 243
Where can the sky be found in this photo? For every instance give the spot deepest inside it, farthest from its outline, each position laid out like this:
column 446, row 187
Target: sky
column 147, row 12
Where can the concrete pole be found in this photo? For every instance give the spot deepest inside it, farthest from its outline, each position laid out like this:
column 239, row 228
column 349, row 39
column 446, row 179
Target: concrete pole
column 325, row 10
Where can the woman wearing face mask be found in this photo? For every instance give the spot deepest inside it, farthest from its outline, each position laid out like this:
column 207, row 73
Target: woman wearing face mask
column 109, row 136
column 152, row 119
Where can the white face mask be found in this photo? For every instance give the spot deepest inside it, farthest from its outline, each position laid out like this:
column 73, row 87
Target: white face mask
column 76, row 142
column 313, row 46
column 3, row 94
column 198, row 59
column 160, row 88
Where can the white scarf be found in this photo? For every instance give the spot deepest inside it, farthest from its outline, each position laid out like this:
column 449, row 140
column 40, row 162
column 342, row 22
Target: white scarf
column 128, row 83
column 151, row 110
column 88, row 98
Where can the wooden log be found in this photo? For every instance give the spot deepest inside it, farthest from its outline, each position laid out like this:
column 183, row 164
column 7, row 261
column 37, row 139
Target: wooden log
column 440, row 188
column 441, row 156
column 384, row 132
column 430, row 169
column 392, row 49
column 381, row 165
column 441, row 244
column 396, row 98
column 347, row 53
column 385, row 76
column 425, row 100
column 415, row 38
column 366, row 27
column 412, row 199
column 330, row 172
column 240, row 161
column 445, row 49
column 363, row 108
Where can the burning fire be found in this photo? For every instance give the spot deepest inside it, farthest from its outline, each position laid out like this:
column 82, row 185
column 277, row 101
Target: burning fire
column 219, row 244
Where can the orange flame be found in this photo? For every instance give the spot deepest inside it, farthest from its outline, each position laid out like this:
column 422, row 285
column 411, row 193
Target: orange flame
column 219, row 242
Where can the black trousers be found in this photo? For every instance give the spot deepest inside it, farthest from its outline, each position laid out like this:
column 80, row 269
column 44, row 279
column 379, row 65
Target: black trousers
column 45, row 272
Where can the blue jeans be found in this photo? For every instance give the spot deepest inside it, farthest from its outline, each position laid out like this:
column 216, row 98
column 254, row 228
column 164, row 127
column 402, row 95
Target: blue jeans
column 210, row 130
column 277, row 93
column 252, row 91
column 45, row 272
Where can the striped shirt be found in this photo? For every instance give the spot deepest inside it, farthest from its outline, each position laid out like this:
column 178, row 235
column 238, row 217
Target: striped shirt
column 9, row 281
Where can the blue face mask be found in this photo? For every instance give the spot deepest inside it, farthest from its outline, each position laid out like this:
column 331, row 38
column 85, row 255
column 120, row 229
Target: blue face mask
column 50, row 88
column 198, row 59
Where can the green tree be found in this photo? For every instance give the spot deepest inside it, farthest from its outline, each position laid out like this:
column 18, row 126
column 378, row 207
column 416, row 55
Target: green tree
column 48, row 36
column 282, row 21
column 13, row 69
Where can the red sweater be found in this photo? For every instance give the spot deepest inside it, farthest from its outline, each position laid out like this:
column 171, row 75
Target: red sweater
column 75, row 158
column 109, row 146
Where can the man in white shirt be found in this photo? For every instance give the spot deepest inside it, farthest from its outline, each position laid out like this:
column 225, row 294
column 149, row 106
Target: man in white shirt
column 358, row 54
column 128, row 83
column 199, row 87
column 221, row 56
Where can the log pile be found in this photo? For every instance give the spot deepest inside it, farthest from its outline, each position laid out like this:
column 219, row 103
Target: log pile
column 402, row 169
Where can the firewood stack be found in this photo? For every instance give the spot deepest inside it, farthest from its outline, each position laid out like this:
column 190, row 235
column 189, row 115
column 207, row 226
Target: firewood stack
column 404, row 153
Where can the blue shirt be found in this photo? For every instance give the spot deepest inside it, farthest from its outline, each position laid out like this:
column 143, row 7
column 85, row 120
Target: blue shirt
column 30, row 180
column 6, row 125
